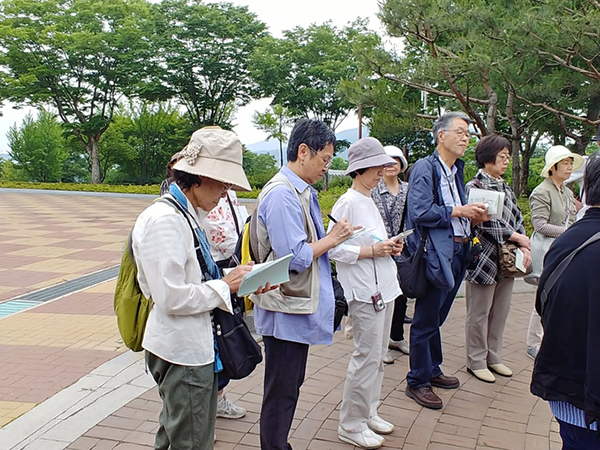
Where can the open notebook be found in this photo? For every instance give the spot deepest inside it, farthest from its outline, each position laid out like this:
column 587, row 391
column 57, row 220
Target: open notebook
column 274, row 272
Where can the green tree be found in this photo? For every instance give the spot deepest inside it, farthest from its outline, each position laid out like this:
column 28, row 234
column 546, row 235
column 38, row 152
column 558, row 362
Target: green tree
column 153, row 132
column 303, row 70
column 338, row 163
column 274, row 122
column 80, row 56
column 259, row 168
column 201, row 57
column 38, row 147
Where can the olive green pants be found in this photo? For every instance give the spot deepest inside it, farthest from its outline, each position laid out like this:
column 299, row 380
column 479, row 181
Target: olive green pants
column 189, row 395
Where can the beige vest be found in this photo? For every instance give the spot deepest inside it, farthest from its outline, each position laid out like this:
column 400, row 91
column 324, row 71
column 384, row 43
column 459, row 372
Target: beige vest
column 300, row 295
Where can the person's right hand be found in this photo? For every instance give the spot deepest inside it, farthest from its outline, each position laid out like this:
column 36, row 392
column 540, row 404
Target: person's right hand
column 235, row 277
column 341, row 231
column 472, row 211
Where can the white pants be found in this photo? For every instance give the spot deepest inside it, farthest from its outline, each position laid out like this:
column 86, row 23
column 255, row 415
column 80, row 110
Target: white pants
column 535, row 332
column 371, row 334
column 487, row 310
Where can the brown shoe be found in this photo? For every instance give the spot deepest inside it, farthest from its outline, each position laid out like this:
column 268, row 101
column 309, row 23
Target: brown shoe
column 424, row 396
column 445, row 382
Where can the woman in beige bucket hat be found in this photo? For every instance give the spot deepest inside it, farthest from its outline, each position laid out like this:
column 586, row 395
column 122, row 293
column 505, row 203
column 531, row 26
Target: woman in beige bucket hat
column 178, row 340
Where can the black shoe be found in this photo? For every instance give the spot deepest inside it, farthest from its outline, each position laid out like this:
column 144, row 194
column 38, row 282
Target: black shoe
column 407, row 319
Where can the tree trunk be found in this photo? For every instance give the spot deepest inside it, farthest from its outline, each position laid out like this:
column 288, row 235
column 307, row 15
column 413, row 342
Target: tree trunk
column 280, row 153
column 92, row 149
column 515, row 142
column 325, row 181
column 524, row 175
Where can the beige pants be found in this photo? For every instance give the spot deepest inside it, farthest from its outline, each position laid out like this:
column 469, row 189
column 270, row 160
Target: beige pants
column 487, row 310
column 535, row 332
column 371, row 334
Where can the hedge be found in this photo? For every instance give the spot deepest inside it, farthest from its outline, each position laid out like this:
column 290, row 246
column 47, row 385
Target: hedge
column 153, row 189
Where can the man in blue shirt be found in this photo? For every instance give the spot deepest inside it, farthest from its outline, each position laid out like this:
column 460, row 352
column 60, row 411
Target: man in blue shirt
column 436, row 204
column 289, row 223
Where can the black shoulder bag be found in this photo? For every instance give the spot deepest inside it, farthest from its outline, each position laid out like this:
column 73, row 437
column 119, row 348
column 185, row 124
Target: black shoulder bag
column 238, row 350
column 412, row 268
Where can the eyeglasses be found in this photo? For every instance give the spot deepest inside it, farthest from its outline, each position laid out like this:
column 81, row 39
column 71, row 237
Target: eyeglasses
column 504, row 157
column 461, row 133
column 226, row 187
column 327, row 161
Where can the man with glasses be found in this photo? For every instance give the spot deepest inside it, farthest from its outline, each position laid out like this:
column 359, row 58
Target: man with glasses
column 437, row 206
column 299, row 313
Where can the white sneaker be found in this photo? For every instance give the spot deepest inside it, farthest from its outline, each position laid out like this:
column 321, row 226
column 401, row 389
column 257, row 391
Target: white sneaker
column 228, row 410
column 388, row 358
column 380, row 426
column 401, row 346
column 363, row 439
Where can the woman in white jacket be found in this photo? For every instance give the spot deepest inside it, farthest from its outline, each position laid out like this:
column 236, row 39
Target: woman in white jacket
column 367, row 273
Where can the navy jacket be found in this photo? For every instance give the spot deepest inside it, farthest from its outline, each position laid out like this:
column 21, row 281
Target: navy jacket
column 423, row 212
column 567, row 367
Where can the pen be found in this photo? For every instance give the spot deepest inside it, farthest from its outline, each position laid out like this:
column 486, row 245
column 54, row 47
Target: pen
column 378, row 238
column 331, row 218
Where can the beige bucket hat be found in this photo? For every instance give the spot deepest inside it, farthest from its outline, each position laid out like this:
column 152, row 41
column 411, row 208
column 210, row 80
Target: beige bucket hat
column 215, row 153
column 556, row 154
column 367, row 152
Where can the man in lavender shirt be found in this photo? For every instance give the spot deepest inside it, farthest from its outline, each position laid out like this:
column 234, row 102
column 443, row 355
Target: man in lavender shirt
column 287, row 337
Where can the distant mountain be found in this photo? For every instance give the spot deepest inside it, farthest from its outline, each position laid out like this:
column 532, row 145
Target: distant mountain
column 272, row 145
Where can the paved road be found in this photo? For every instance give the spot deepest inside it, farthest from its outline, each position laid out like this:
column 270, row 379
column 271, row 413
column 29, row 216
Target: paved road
column 68, row 382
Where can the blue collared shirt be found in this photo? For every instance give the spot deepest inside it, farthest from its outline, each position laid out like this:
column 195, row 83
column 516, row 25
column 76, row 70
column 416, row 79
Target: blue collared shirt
column 570, row 414
column 281, row 212
column 451, row 197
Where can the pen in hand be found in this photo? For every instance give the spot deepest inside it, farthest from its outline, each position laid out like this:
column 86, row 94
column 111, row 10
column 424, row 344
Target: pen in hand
column 331, row 218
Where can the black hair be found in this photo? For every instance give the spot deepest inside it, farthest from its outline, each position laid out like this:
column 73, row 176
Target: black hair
column 311, row 132
column 185, row 180
column 591, row 180
column 357, row 172
column 488, row 148
column 555, row 168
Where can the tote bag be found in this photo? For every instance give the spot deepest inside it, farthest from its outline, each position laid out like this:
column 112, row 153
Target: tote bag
column 539, row 246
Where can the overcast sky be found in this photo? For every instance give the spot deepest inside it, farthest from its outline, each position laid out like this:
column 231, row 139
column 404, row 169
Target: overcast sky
column 279, row 15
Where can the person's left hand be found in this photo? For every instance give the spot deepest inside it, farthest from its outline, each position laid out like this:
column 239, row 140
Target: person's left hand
column 267, row 288
column 526, row 256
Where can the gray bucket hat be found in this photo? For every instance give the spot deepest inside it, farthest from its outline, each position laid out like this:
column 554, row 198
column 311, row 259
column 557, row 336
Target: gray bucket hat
column 367, row 152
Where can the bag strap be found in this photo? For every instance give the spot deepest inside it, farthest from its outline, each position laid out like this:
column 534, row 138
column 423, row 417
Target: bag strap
column 559, row 269
column 199, row 255
column 388, row 216
column 237, row 225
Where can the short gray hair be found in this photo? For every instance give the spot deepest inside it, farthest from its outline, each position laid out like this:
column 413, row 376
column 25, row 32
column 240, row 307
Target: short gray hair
column 444, row 121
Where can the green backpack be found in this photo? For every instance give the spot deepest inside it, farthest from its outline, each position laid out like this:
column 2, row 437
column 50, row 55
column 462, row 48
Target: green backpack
column 131, row 305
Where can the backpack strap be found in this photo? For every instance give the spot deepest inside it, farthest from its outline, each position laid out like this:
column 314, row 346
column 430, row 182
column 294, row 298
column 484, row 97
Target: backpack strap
column 199, row 255
column 558, row 271
column 235, row 219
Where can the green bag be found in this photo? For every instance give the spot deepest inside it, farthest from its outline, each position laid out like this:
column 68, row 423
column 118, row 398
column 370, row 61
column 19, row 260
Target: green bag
column 131, row 306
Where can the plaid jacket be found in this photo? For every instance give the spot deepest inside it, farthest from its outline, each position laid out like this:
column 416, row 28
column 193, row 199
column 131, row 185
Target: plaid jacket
column 494, row 232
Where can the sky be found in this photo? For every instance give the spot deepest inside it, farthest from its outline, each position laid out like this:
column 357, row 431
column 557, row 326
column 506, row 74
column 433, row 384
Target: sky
column 279, row 15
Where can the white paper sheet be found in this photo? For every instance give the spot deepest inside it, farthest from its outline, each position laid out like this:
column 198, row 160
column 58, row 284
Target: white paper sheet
column 494, row 201
column 519, row 264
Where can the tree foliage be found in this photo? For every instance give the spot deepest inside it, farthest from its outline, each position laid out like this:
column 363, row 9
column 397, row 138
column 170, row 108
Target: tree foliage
column 259, row 167
column 79, row 56
column 38, row 147
column 303, row 70
column 201, row 57
column 274, row 121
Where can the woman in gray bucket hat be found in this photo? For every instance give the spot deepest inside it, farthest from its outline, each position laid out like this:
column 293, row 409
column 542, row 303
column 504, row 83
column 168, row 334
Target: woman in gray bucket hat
column 367, row 273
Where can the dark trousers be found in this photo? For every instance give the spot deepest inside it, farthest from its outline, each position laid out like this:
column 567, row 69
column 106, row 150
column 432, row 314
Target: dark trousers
column 285, row 367
column 578, row 438
column 397, row 332
column 430, row 313
column 189, row 395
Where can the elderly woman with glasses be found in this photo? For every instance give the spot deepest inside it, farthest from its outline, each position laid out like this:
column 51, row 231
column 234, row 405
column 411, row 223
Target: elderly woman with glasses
column 488, row 293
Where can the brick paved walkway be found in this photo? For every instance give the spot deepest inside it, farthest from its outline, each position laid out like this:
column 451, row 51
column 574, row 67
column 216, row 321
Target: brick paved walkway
column 46, row 350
